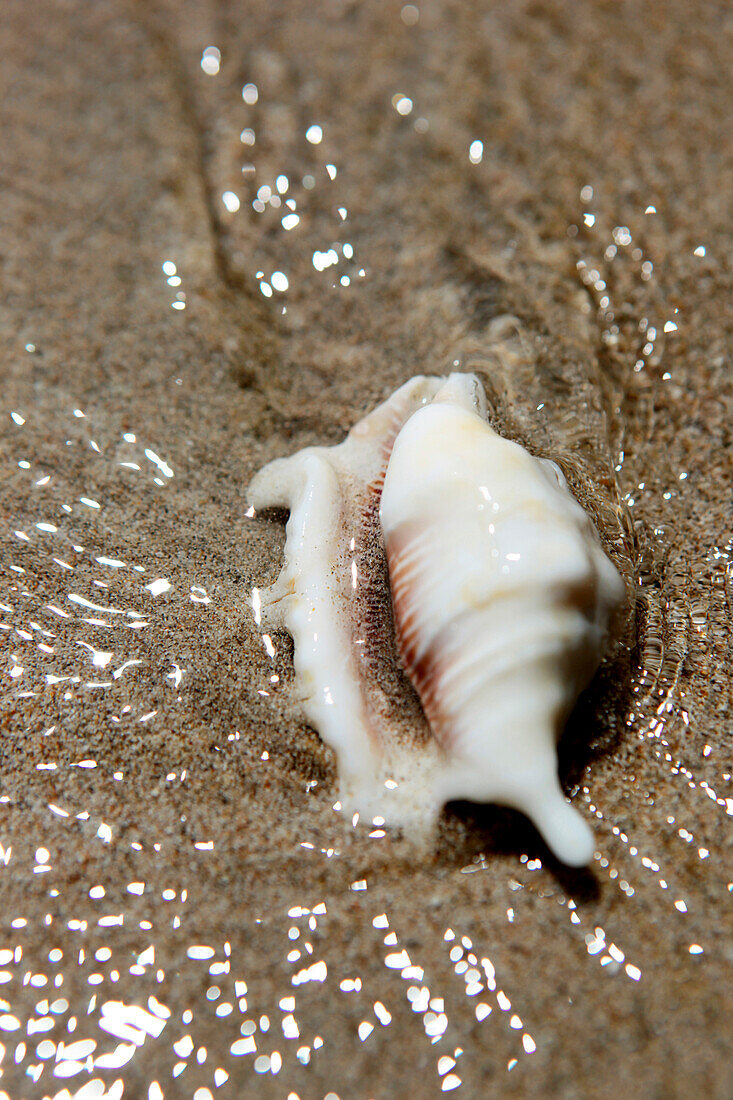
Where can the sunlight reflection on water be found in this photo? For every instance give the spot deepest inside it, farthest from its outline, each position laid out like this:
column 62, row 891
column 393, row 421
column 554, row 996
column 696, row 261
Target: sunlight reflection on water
column 87, row 1013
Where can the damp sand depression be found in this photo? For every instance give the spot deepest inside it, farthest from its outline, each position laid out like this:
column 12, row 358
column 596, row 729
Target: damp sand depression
column 228, row 230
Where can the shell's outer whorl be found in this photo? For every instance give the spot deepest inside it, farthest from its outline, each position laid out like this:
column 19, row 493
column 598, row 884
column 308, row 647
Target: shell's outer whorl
column 318, row 598
column 502, row 596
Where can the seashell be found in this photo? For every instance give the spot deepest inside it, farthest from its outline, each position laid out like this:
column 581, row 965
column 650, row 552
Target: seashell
column 502, row 597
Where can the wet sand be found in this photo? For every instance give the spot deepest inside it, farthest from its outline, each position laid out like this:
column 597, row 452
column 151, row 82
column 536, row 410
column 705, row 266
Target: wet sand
column 168, row 838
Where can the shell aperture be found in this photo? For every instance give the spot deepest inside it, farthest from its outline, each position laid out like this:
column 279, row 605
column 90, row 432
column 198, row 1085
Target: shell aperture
column 501, row 595
column 324, row 599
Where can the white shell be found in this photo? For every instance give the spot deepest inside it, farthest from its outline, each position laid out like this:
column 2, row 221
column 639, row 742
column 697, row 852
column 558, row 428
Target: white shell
column 502, row 597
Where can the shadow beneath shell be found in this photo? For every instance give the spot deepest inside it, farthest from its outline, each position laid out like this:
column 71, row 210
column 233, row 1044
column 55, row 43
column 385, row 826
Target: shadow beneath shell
column 470, row 833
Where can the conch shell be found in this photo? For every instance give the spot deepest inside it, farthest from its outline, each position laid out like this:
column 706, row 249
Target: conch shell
column 501, row 595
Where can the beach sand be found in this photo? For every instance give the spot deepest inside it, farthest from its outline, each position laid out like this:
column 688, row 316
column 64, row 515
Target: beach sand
column 180, row 902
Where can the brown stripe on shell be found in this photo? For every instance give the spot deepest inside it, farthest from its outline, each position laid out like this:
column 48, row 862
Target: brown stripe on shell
column 425, row 671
